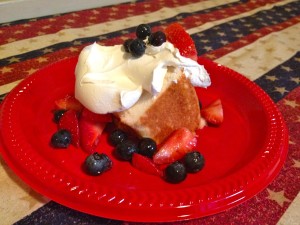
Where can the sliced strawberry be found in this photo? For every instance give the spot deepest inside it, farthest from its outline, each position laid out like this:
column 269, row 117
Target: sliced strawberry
column 177, row 35
column 103, row 118
column 68, row 102
column 175, row 146
column 69, row 121
column 213, row 113
column 145, row 165
column 90, row 133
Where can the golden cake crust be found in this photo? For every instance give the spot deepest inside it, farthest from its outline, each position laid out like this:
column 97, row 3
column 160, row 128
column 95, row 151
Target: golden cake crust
column 177, row 106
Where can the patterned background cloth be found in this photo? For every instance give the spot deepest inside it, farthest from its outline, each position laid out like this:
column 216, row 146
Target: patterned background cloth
column 259, row 39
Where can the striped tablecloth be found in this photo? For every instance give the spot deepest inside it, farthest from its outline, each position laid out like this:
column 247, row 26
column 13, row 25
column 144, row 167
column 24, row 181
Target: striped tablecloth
column 259, row 39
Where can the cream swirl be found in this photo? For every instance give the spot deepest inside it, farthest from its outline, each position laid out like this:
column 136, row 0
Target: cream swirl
column 110, row 80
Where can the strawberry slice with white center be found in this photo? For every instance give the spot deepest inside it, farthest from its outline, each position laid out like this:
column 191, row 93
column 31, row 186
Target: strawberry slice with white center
column 90, row 133
column 145, row 165
column 175, row 146
column 213, row 113
column 69, row 121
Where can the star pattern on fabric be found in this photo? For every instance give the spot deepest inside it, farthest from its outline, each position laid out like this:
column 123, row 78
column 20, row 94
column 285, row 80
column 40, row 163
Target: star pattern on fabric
column 291, row 103
column 14, row 59
column 42, row 59
column 286, row 68
column 296, row 80
column 296, row 163
column 31, row 71
column 271, row 77
column 281, row 90
column 47, row 50
column 5, row 69
column 278, row 197
column 8, row 40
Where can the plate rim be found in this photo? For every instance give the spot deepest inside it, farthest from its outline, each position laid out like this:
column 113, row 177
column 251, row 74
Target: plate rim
column 233, row 199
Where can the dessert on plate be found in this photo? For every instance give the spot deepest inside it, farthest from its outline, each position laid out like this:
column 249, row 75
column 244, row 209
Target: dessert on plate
column 151, row 95
column 146, row 88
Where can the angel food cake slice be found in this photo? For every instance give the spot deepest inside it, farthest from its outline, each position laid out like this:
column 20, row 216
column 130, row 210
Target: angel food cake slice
column 176, row 106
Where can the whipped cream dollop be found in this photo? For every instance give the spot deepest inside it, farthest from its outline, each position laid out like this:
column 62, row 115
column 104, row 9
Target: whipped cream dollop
column 110, row 80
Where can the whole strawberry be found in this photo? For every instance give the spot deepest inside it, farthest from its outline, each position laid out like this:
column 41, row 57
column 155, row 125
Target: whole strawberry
column 177, row 35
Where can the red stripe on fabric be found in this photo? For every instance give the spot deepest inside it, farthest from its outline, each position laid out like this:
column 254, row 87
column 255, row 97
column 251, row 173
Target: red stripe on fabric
column 84, row 18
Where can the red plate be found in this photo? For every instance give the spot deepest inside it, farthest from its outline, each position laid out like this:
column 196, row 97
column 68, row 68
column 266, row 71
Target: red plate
column 243, row 155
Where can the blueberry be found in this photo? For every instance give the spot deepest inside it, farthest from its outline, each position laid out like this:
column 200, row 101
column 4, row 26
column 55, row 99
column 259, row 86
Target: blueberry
column 147, row 147
column 193, row 161
column 125, row 150
column 117, row 136
column 175, row 172
column 157, row 38
column 61, row 139
column 96, row 163
column 58, row 114
column 142, row 31
column 126, row 45
column 137, row 48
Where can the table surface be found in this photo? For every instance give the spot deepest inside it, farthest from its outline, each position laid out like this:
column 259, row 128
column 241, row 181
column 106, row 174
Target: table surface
column 259, row 39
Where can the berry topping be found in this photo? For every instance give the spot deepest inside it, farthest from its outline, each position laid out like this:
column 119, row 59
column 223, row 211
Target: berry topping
column 125, row 149
column 143, row 31
column 126, row 45
column 147, row 147
column 69, row 121
column 95, row 164
column 177, row 35
column 175, row 172
column 175, row 146
column 61, row 139
column 213, row 113
column 57, row 114
column 193, row 161
column 117, row 136
column 137, row 48
column 145, row 165
column 157, row 38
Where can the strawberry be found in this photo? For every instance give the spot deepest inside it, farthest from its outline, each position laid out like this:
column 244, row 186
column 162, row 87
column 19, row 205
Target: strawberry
column 90, row 133
column 145, row 165
column 213, row 113
column 179, row 143
column 96, row 117
column 69, row 121
column 177, row 35
column 68, row 102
